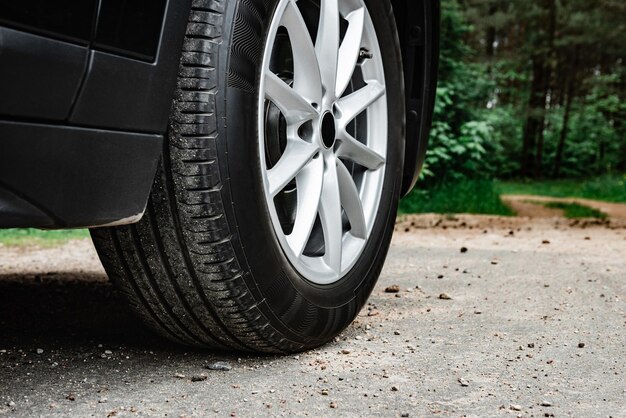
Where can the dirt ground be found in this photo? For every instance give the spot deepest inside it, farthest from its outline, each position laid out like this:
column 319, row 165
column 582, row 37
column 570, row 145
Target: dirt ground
column 530, row 206
column 493, row 317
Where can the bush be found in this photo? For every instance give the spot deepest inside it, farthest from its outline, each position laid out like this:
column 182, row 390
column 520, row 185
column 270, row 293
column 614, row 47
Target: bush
column 465, row 196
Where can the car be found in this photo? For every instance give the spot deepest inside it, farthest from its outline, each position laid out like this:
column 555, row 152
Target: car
column 239, row 162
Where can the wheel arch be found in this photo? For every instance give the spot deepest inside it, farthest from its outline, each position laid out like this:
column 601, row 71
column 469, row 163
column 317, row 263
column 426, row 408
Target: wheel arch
column 418, row 29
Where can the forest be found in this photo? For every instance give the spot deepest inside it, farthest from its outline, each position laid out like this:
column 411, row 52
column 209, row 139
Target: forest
column 529, row 92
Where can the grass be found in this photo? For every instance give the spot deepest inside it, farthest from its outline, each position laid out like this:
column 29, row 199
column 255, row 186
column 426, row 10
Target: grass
column 576, row 211
column 29, row 236
column 468, row 196
column 606, row 188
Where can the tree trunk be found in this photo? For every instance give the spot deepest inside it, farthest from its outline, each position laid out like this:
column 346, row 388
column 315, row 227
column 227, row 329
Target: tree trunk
column 536, row 106
column 558, row 159
column 490, row 35
column 547, row 81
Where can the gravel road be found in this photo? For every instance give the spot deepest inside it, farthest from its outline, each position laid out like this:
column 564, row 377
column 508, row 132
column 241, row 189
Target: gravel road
column 492, row 317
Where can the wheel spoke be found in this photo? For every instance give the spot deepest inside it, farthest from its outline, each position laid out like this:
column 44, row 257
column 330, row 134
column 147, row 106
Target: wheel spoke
column 293, row 106
column 296, row 156
column 351, row 106
column 326, row 81
column 309, row 183
column 307, row 77
column 327, row 44
column 351, row 201
column 330, row 216
column 358, row 152
column 350, row 50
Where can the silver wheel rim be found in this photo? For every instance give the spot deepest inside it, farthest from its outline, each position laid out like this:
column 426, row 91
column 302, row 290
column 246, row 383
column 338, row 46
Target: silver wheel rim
column 322, row 133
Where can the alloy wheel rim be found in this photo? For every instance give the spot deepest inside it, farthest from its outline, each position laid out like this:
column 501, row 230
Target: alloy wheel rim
column 322, row 133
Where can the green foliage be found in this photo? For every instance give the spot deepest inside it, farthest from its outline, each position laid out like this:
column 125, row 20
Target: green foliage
column 607, row 188
column 483, row 94
column 468, row 196
column 27, row 236
column 576, row 211
column 459, row 138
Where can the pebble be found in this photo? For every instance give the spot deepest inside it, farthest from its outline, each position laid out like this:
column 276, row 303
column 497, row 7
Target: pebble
column 222, row 366
column 333, row 405
column 444, row 296
column 103, row 400
column 108, row 352
column 514, row 407
column 463, row 250
column 39, row 351
column 10, row 404
column 199, row 378
column 394, row 389
column 373, row 312
column 394, row 288
column 546, row 403
column 345, row 351
column 581, row 345
column 404, row 415
column 179, row 376
column 463, row 382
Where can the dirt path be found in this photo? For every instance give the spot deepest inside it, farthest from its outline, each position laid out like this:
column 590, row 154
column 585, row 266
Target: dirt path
column 535, row 325
column 522, row 206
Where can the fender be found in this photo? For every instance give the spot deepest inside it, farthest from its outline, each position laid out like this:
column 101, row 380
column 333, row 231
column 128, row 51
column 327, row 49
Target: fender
column 418, row 29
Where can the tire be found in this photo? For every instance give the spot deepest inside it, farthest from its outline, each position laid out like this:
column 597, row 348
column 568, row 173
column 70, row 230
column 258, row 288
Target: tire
column 205, row 266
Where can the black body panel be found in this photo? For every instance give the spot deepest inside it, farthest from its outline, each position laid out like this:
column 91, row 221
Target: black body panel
column 70, row 20
column 60, row 177
column 130, row 27
column 127, row 27
column 127, row 94
column 39, row 77
column 81, row 130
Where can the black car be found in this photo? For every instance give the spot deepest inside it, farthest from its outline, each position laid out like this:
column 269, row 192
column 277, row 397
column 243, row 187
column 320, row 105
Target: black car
column 239, row 162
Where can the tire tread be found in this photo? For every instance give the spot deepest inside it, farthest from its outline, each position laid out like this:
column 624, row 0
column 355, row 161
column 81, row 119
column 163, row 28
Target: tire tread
column 177, row 266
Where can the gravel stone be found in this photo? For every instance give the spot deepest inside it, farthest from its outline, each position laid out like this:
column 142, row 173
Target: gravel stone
column 222, row 366
column 394, row 288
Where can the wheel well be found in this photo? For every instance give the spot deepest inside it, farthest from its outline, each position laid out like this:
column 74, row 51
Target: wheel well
column 418, row 30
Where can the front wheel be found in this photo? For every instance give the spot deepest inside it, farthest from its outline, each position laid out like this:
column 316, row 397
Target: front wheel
column 272, row 212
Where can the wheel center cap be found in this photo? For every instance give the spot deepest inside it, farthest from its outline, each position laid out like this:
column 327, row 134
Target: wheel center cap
column 328, row 130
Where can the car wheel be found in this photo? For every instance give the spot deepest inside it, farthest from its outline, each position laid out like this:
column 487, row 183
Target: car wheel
column 273, row 209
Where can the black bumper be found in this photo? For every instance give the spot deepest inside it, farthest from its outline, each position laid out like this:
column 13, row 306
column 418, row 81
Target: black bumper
column 54, row 176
